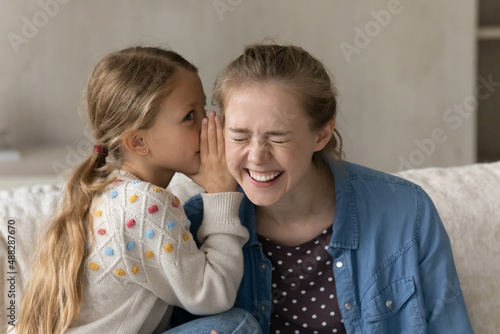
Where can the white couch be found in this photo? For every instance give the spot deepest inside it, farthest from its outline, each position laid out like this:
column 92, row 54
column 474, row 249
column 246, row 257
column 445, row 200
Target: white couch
column 467, row 198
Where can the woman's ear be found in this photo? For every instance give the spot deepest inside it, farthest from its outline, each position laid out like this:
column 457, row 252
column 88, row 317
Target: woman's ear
column 134, row 142
column 324, row 134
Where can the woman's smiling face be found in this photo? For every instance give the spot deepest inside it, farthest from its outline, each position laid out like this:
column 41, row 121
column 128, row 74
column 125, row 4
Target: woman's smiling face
column 269, row 142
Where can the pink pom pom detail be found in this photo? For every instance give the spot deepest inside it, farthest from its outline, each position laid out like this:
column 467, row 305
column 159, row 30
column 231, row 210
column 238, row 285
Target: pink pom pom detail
column 130, row 223
column 152, row 209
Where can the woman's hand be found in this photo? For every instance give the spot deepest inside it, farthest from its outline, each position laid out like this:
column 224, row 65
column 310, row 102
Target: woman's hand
column 213, row 175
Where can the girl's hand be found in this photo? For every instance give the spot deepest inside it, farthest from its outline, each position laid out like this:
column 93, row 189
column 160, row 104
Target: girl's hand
column 213, row 175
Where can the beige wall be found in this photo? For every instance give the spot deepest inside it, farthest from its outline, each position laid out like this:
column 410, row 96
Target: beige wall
column 406, row 91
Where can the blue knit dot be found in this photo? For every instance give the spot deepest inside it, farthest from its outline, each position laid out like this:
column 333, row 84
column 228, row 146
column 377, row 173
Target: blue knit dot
column 170, row 225
column 130, row 245
column 188, row 222
column 150, row 234
column 113, row 194
column 135, row 182
column 109, row 251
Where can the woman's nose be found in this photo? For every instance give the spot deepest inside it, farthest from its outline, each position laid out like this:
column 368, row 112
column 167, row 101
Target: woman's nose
column 259, row 153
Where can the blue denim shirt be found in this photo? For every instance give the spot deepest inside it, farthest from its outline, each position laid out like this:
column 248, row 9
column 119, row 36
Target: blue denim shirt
column 392, row 259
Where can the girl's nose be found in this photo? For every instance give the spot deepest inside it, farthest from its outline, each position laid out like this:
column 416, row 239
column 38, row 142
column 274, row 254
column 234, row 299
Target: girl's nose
column 198, row 122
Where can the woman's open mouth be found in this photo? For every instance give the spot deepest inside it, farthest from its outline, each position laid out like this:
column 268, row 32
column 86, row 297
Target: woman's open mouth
column 263, row 178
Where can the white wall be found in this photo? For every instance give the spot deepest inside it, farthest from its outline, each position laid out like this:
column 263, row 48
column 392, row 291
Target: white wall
column 398, row 89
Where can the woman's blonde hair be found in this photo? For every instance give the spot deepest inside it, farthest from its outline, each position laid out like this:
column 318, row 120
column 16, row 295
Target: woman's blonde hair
column 294, row 69
column 124, row 93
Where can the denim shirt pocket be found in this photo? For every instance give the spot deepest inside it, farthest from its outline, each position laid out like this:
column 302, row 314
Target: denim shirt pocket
column 390, row 300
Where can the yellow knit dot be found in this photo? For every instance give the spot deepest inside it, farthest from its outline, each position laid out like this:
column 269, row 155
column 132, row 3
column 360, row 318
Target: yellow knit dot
column 98, row 213
column 177, row 200
column 93, row 266
column 168, row 248
column 185, row 237
column 120, row 272
column 158, row 189
column 135, row 269
column 149, row 254
column 133, row 198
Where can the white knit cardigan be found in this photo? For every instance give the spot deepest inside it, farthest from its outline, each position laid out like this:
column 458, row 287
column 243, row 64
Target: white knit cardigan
column 143, row 260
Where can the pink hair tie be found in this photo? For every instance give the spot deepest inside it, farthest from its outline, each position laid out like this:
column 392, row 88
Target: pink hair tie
column 101, row 150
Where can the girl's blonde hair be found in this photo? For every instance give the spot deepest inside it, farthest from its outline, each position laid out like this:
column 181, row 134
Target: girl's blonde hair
column 124, row 93
column 294, row 69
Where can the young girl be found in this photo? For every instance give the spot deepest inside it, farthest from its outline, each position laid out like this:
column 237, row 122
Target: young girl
column 119, row 255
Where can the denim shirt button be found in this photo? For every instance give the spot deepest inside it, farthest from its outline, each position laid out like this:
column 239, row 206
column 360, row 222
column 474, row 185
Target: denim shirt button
column 262, row 266
column 348, row 306
column 339, row 264
column 388, row 303
column 263, row 308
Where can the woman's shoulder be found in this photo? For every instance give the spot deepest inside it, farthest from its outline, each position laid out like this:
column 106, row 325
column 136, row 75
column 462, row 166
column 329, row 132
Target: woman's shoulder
column 386, row 192
column 369, row 185
column 353, row 177
column 355, row 172
column 386, row 205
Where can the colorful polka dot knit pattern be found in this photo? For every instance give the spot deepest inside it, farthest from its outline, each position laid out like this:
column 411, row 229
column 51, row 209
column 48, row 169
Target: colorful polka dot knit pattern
column 142, row 254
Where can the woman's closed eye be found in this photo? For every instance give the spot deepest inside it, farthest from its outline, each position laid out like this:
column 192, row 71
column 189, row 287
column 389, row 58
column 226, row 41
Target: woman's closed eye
column 239, row 139
column 278, row 141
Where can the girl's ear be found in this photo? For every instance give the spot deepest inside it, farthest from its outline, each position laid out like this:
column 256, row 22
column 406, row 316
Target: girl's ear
column 134, row 142
column 324, row 134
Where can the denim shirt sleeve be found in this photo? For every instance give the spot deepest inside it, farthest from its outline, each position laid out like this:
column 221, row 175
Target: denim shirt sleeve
column 444, row 305
column 194, row 212
column 395, row 268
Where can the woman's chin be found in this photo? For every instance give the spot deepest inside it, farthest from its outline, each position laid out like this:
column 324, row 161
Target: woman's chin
column 262, row 193
column 260, row 199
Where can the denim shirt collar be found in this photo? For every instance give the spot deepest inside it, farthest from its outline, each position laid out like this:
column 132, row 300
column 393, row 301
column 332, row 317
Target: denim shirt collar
column 345, row 224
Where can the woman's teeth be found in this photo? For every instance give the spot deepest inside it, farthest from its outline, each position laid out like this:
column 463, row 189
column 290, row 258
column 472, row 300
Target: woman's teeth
column 263, row 178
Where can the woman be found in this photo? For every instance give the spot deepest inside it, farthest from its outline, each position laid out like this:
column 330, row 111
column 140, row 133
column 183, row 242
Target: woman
column 334, row 247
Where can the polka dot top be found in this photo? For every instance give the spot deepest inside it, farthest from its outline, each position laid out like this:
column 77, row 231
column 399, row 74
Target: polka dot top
column 303, row 287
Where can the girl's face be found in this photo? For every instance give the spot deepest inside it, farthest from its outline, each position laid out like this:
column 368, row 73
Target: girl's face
column 269, row 143
column 174, row 139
